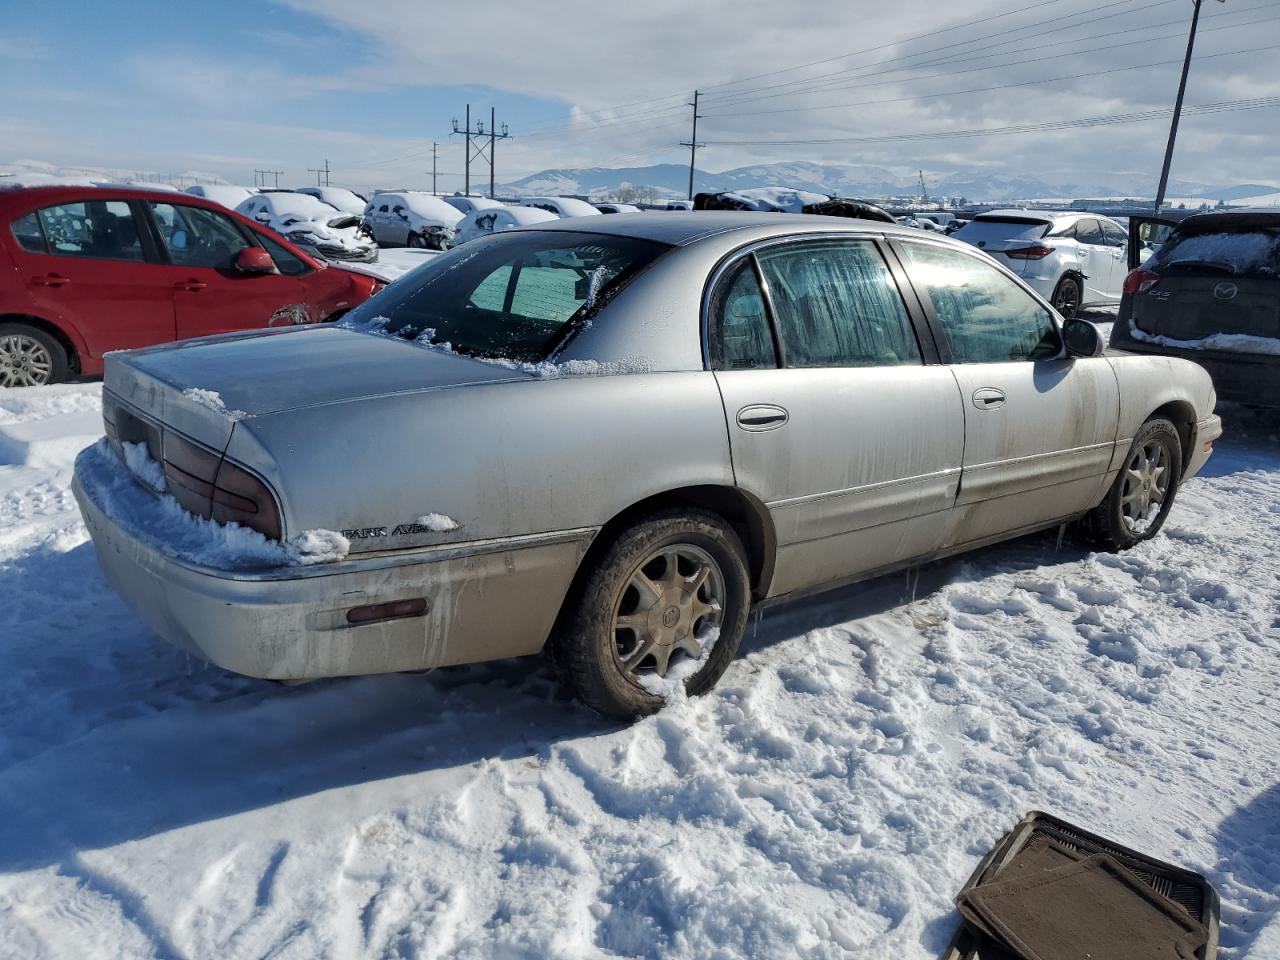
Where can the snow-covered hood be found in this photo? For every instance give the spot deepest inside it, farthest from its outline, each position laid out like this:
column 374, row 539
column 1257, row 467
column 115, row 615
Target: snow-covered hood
column 341, row 230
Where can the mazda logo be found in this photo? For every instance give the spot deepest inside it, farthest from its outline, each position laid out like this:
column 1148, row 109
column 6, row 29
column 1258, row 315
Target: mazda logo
column 1225, row 291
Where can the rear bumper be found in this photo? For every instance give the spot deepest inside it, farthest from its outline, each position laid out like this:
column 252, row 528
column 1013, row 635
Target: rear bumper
column 485, row 600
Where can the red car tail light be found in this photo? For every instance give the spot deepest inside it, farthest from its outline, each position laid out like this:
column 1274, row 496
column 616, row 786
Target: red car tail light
column 1140, row 281
column 240, row 497
column 190, row 472
column 1037, row 252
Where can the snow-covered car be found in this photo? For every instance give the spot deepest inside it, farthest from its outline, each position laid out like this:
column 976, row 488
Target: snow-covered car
column 1073, row 260
column 226, row 194
column 788, row 200
column 563, row 207
column 1208, row 289
column 412, row 219
column 348, row 201
column 481, row 223
column 466, row 205
column 312, row 224
column 617, row 208
column 610, row 437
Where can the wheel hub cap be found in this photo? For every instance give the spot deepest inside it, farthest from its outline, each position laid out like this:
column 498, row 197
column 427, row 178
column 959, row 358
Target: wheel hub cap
column 1146, row 485
column 24, row 362
column 666, row 606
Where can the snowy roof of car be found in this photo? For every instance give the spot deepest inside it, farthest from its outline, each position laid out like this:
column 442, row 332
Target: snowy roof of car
column 679, row 229
column 1048, row 216
column 303, row 203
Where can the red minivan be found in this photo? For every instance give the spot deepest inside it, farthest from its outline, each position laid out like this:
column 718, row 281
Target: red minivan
column 84, row 270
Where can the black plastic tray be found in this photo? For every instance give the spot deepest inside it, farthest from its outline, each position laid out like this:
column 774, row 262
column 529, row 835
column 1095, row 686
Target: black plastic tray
column 1185, row 887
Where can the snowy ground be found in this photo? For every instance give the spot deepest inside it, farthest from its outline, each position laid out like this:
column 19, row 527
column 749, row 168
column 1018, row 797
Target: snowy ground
column 393, row 262
column 828, row 799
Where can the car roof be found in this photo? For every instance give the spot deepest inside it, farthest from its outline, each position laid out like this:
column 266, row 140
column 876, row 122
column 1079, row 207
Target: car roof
column 1243, row 217
column 679, row 229
column 31, row 197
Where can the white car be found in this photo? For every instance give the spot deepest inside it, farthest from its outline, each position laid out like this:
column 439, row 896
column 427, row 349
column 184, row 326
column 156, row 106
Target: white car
column 345, row 200
column 481, row 223
column 471, row 204
column 311, row 223
column 1073, row 260
column 227, row 194
column 618, row 208
column 563, row 207
column 412, row 219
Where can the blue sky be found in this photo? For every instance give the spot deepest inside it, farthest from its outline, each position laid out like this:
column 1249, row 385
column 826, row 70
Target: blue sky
column 228, row 86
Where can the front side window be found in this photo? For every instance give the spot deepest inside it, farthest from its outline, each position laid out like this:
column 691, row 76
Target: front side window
column 101, row 229
column 986, row 317
column 26, row 230
column 1114, row 236
column 514, row 295
column 836, row 304
column 742, row 325
column 195, row 237
column 1088, row 231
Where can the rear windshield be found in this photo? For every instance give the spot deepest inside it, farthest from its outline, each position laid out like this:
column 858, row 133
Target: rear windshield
column 1254, row 252
column 1001, row 228
column 515, row 296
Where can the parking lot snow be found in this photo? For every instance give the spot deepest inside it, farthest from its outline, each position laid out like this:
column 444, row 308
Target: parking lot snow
column 827, row 799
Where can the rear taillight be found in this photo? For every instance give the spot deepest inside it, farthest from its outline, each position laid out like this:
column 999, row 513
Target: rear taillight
column 190, row 472
column 1140, row 281
column 1036, row 252
column 240, row 497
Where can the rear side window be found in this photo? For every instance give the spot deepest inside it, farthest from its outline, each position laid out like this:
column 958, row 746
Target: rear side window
column 986, row 317
column 26, row 230
column 1115, row 237
column 742, row 325
column 836, row 304
column 101, row 229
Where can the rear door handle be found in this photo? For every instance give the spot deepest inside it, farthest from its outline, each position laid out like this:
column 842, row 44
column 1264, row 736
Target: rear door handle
column 192, row 285
column 50, row 280
column 762, row 416
column 988, row 398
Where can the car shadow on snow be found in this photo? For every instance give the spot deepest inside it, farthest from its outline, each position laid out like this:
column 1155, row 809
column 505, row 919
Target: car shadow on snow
column 1247, row 874
column 155, row 742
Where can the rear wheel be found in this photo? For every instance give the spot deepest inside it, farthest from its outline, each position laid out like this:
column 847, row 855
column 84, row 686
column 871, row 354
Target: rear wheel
column 1066, row 297
column 666, row 604
column 29, row 357
column 1138, row 502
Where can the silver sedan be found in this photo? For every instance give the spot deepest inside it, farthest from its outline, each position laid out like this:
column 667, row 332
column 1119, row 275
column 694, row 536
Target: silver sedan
column 610, row 437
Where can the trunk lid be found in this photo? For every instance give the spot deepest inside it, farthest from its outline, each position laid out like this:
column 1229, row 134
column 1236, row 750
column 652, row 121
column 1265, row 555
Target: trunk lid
column 202, row 387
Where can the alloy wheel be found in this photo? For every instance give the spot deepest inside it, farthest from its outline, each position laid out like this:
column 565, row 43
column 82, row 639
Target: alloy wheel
column 1067, row 300
column 668, row 607
column 1146, row 485
column 24, row 361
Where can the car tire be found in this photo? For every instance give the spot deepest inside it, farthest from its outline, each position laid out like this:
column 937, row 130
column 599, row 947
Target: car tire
column 29, row 357
column 1139, row 500
column 1067, row 297
column 418, row 241
column 608, row 622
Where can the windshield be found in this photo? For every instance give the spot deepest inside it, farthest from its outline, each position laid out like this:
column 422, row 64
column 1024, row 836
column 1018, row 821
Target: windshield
column 513, row 296
column 1004, row 228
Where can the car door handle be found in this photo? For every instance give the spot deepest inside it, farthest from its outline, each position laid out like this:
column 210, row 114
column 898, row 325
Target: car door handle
column 988, row 398
column 192, row 285
column 50, row 280
column 762, row 416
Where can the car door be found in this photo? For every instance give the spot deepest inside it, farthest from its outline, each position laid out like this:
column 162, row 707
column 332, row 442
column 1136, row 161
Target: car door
column 88, row 265
column 837, row 420
column 398, row 226
column 210, row 295
column 1039, row 426
column 1146, row 236
column 1118, row 244
column 1095, row 259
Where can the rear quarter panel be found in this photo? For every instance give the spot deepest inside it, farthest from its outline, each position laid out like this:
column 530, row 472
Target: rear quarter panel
column 504, row 459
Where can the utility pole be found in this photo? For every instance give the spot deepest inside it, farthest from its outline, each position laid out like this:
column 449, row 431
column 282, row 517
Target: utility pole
column 1177, row 107
column 484, row 151
column 692, row 143
column 435, row 155
column 319, row 170
column 262, row 174
column 924, row 191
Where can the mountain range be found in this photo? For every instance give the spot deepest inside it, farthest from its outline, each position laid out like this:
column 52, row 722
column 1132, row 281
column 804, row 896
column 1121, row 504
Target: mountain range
column 862, row 180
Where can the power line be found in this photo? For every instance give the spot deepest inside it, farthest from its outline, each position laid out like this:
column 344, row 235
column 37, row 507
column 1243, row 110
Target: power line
column 479, row 152
column 262, row 174
column 692, row 144
column 1223, row 106
column 319, row 170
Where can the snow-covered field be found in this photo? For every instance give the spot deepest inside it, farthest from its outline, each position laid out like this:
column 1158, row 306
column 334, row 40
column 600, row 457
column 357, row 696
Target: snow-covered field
column 828, row 799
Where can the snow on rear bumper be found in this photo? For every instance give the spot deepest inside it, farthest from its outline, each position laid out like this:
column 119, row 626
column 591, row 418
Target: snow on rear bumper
column 485, row 600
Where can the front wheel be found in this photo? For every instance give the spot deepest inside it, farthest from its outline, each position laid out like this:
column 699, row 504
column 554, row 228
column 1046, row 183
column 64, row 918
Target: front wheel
column 665, row 605
column 418, row 241
column 1138, row 502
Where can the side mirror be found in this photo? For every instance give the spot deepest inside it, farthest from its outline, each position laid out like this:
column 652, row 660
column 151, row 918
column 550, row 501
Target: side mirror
column 255, row 260
column 1082, row 338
